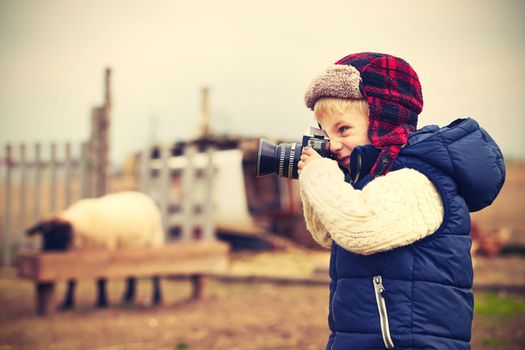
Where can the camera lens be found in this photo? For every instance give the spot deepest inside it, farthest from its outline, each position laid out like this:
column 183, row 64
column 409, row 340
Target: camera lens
column 280, row 159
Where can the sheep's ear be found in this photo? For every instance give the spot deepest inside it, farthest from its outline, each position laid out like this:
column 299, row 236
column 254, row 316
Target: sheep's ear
column 37, row 228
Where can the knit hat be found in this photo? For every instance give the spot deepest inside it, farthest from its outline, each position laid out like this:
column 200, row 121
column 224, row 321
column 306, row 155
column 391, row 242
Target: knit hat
column 392, row 90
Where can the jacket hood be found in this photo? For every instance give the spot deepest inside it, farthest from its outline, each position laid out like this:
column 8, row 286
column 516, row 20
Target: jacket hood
column 465, row 152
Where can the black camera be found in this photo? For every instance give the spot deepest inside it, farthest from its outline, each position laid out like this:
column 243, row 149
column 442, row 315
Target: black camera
column 282, row 159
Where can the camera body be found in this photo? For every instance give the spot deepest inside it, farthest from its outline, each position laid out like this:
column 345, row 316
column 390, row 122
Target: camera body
column 319, row 141
column 282, row 159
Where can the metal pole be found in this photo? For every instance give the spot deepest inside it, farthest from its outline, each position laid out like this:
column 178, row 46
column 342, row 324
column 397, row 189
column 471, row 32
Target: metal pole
column 67, row 180
column 23, row 193
column 188, row 178
column 53, row 189
column 145, row 171
column 36, row 194
column 7, row 208
column 84, row 170
column 165, row 185
column 208, row 226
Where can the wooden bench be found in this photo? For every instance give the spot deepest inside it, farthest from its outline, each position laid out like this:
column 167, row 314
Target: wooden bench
column 193, row 259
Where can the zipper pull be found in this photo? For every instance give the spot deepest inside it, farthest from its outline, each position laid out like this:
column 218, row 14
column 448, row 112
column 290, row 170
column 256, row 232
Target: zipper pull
column 355, row 167
column 378, row 281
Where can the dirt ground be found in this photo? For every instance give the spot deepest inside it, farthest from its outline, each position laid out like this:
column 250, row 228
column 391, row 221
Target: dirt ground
column 236, row 313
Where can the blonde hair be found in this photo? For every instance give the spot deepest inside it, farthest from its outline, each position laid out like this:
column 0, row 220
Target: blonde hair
column 329, row 105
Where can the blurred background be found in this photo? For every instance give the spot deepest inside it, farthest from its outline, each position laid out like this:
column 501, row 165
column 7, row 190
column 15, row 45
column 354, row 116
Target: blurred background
column 171, row 97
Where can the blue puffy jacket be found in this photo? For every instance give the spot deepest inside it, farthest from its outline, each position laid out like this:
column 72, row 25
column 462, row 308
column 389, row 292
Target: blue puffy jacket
column 418, row 296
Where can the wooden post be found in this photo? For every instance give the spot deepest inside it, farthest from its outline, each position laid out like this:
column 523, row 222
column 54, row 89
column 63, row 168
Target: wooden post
column 100, row 149
column 204, row 129
column 105, row 126
column 7, row 207
column 53, row 189
column 100, row 119
column 94, row 152
column 198, row 283
column 45, row 298
column 107, row 91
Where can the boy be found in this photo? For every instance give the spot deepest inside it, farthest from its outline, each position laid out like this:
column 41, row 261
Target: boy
column 395, row 207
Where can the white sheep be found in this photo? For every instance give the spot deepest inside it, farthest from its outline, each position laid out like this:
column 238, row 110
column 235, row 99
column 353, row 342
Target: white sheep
column 123, row 219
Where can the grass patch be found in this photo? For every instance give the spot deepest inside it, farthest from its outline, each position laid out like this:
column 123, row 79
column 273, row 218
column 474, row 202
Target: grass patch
column 493, row 342
column 492, row 304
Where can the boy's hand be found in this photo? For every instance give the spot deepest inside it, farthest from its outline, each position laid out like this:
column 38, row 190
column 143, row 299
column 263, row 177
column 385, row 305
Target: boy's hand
column 308, row 154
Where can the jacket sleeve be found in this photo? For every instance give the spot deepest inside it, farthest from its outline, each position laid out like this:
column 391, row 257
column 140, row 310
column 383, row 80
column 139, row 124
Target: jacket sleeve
column 314, row 225
column 391, row 211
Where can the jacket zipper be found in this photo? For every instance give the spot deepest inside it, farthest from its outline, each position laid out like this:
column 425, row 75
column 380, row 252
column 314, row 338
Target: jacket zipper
column 357, row 171
column 381, row 306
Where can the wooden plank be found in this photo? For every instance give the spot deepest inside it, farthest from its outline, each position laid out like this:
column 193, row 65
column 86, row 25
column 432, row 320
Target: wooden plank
column 185, row 258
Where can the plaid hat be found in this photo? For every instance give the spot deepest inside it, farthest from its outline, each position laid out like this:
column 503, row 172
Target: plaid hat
column 392, row 90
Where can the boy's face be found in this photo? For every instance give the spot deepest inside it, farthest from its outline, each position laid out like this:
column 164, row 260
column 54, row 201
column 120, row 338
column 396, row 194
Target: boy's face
column 346, row 131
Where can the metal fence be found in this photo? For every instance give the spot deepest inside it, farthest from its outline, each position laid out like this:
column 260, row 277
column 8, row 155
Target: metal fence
column 182, row 186
column 38, row 180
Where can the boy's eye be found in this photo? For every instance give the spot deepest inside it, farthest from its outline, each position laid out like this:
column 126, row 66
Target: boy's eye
column 342, row 129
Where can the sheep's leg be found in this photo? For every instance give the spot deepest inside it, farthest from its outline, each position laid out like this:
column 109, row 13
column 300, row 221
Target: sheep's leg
column 45, row 297
column 69, row 300
column 129, row 296
column 157, row 295
column 102, row 300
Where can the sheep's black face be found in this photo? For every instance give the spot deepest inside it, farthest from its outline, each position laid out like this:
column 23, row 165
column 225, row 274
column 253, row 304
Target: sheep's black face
column 56, row 234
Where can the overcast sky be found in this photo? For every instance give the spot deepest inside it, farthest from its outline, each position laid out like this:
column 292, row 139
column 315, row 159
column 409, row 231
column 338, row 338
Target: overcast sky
column 257, row 57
